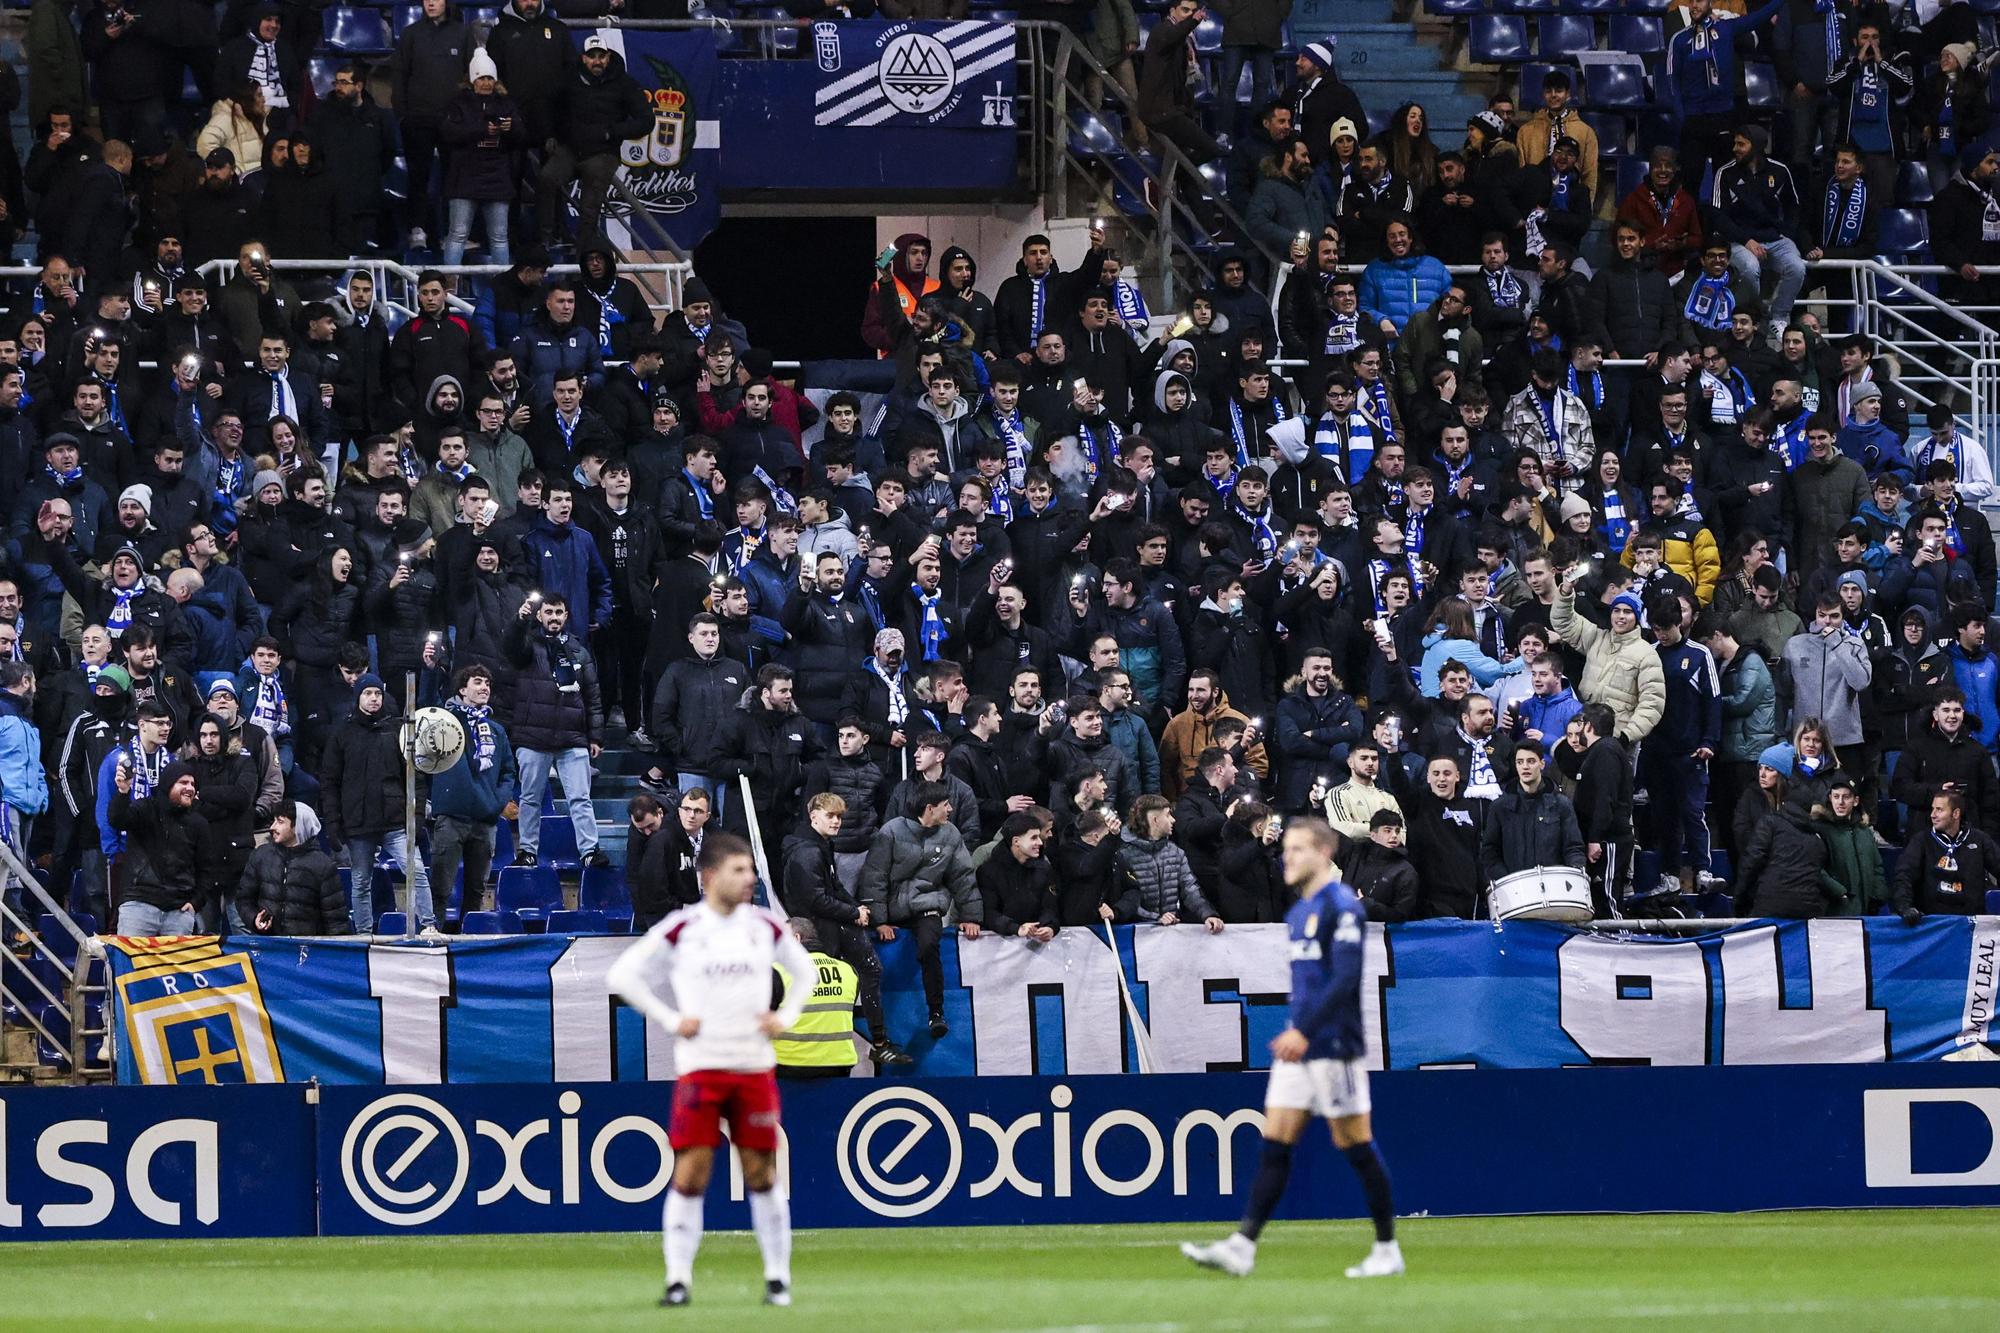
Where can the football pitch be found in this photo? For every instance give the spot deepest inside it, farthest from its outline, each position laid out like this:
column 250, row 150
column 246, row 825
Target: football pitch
column 1861, row 1270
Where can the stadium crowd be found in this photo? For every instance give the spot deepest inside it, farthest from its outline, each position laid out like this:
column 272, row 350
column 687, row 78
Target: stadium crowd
column 1061, row 629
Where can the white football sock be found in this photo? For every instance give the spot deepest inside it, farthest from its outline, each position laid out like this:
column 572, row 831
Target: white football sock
column 771, row 1217
column 681, row 1234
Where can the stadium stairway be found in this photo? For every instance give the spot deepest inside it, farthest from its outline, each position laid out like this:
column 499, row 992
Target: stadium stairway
column 1390, row 52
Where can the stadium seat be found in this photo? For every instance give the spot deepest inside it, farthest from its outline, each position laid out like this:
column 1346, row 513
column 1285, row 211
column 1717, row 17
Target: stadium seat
column 1454, row 8
column 1092, row 135
column 1558, row 36
column 356, row 31
column 1615, row 87
column 578, row 923
column 1499, row 39
column 392, row 923
column 1531, row 76
column 1612, row 132
column 1760, row 86
column 527, row 894
column 1913, row 185
column 319, row 71
column 56, row 1019
column 1635, row 34
column 1525, row 6
column 1590, row 6
column 1208, row 37
column 490, row 923
column 1902, row 230
column 558, row 841
column 1993, row 902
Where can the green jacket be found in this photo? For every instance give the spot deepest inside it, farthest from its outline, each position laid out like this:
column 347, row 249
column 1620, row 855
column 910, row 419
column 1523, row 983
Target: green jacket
column 1749, row 707
column 1853, row 872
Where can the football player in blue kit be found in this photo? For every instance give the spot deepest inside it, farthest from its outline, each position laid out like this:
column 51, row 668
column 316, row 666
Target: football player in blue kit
column 1316, row 1067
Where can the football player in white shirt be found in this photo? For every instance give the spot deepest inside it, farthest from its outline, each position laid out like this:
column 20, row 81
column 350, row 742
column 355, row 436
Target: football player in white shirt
column 715, row 959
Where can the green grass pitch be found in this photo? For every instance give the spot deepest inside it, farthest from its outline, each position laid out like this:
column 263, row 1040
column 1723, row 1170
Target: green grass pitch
column 1830, row 1270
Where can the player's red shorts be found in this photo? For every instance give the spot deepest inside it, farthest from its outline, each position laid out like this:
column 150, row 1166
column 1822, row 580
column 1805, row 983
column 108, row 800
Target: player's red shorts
column 706, row 1097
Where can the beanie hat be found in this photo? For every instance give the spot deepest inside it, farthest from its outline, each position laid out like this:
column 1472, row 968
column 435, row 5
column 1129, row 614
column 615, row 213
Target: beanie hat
column 1966, row 53
column 371, row 681
column 1856, row 577
column 117, row 677
column 1863, row 391
column 140, row 492
column 222, row 685
column 1342, row 129
column 1321, row 52
column 1492, row 122
column 1572, row 505
column 1630, row 601
column 268, row 477
column 173, row 773
column 693, row 290
column 1781, row 757
column 481, row 66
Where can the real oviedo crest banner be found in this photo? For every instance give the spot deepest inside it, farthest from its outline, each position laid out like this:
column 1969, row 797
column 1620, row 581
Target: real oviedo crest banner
column 675, row 171
column 902, row 75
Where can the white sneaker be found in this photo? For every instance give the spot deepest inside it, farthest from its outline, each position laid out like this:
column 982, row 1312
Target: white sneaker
column 432, row 933
column 1384, row 1260
column 1235, row 1255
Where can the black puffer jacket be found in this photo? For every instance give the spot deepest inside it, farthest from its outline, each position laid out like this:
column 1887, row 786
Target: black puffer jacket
column 1252, row 888
column 1523, row 832
column 1151, row 878
column 858, row 782
column 401, row 614
column 1083, row 878
column 361, row 776
column 167, row 859
column 314, row 622
column 1199, row 818
column 1384, row 879
column 914, row 871
column 595, row 114
column 1017, row 895
column 483, row 608
column 694, row 711
column 557, row 705
column 975, row 762
column 298, row 886
column 812, row 889
column 228, row 786
column 1781, row 873
column 1922, row 884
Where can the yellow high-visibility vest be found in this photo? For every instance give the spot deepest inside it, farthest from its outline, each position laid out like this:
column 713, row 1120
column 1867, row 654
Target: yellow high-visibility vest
column 824, row 1036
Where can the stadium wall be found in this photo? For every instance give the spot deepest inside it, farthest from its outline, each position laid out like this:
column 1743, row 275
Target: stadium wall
column 154, row 1163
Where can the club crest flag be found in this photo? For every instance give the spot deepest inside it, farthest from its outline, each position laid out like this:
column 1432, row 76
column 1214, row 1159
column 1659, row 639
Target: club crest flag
column 192, row 1012
column 948, row 75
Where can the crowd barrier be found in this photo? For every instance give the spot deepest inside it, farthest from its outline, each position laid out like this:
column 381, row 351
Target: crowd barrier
column 1436, row 995
column 110, row 1163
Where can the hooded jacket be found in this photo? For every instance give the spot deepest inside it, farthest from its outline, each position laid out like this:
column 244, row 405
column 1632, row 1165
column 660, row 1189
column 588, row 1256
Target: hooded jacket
column 613, row 305
column 1620, row 670
column 971, row 306
column 1015, row 893
column 300, row 205
column 1782, row 873
column 1829, row 674
column 167, row 853
column 913, row 871
column 1383, row 878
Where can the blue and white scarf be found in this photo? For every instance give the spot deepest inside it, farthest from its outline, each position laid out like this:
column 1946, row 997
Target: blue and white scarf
column 459, row 473
column 1001, row 504
column 567, row 427
column 1131, row 307
column 1378, row 571
column 1790, row 439
column 1014, row 435
column 1836, row 46
column 930, row 631
column 64, row 479
column 704, row 502
column 1481, row 784
column 119, row 618
column 479, row 725
column 1098, row 453
column 1261, row 537
column 779, row 495
column 1239, row 430
column 267, row 710
column 1037, row 305
column 1617, row 528
column 284, row 403
column 1704, row 42
column 1413, row 533
column 412, row 466
column 145, row 774
column 1343, row 332
column 1840, row 226
column 1596, row 382
column 1378, row 398
column 899, row 703
column 1503, row 288
column 1711, row 304
column 1551, row 425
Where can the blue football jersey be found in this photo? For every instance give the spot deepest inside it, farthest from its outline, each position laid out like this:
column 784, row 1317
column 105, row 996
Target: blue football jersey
column 1325, row 936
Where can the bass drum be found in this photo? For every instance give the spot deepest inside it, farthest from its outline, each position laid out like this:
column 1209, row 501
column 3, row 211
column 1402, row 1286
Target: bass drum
column 1547, row 893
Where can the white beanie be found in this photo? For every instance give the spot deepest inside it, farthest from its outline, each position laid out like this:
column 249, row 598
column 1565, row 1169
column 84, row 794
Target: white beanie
column 481, row 66
column 142, row 493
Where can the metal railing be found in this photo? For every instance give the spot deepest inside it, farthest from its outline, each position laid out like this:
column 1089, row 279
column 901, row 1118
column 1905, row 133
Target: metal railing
column 396, row 283
column 27, row 993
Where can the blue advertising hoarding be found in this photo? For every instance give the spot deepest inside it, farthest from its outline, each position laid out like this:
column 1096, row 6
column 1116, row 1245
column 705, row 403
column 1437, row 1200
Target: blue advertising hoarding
column 247, row 1161
column 1436, row 995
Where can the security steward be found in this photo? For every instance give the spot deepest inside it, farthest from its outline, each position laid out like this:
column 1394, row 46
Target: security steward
column 822, row 1044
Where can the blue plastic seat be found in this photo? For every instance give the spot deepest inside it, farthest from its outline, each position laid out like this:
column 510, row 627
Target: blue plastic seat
column 356, row 31
column 604, row 890
column 1499, row 39
column 392, row 923
column 1590, row 6
column 1760, row 86
column 558, row 842
column 1561, row 35
column 1525, row 6
column 1913, row 185
column 1531, row 76
column 1635, row 34
column 319, row 70
column 1612, row 132
column 1208, row 36
column 1618, row 87
column 578, row 922
column 1454, row 8
column 1993, row 902
column 1092, row 135
column 1903, row 230
column 490, row 923
column 1631, row 171
column 527, row 894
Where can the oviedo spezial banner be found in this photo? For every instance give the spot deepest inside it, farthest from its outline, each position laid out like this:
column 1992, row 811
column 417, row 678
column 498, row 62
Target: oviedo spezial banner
column 1438, row 995
column 949, row 75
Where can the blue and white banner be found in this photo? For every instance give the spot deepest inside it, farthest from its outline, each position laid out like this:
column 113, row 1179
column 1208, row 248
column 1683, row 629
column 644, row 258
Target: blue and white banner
column 675, row 171
column 1437, row 995
column 951, row 75
column 104, row 1163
